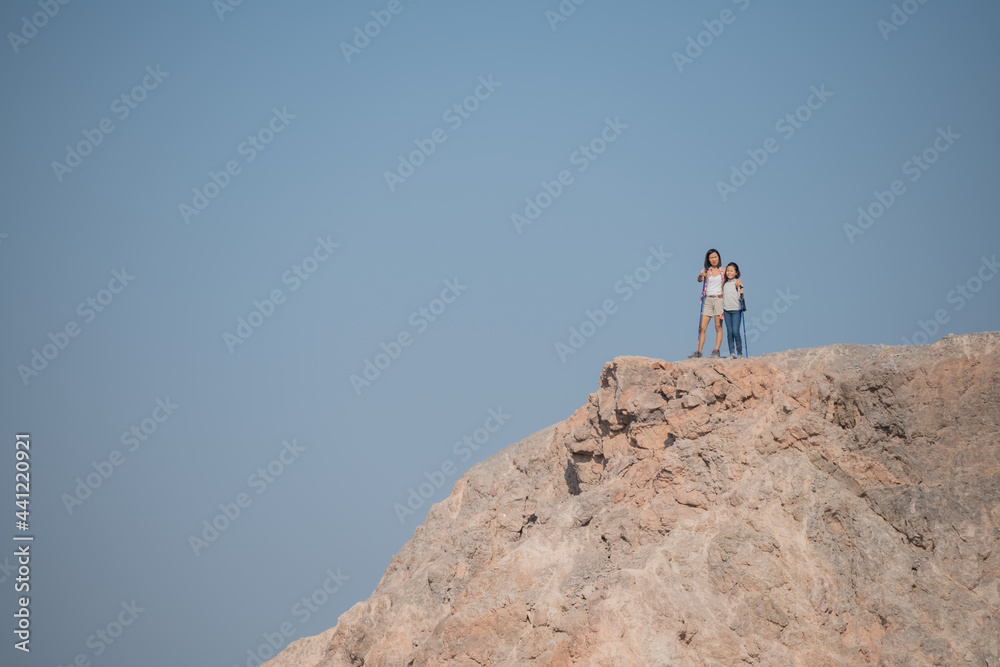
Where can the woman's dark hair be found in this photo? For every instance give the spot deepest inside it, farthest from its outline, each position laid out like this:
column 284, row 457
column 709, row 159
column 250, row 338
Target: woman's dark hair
column 708, row 254
column 735, row 266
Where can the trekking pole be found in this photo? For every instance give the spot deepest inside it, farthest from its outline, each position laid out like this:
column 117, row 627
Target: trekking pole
column 743, row 307
column 701, row 308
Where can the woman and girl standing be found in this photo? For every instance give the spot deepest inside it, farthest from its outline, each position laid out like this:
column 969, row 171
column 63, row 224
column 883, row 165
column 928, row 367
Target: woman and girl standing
column 722, row 298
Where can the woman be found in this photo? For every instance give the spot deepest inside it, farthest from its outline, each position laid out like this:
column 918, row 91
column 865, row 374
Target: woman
column 711, row 306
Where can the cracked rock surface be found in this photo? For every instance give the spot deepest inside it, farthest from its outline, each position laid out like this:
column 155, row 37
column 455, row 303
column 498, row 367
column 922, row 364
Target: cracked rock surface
column 831, row 506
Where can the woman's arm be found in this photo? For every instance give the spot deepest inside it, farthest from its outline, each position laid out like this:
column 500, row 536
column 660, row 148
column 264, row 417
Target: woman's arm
column 701, row 276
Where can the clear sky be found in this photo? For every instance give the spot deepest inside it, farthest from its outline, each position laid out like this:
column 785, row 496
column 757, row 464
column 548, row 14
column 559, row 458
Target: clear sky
column 215, row 215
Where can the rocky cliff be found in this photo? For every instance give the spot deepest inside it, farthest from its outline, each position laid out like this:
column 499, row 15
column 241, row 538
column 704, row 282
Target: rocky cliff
column 832, row 506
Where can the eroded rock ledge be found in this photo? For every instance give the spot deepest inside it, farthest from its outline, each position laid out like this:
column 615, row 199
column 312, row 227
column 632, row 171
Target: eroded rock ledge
column 832, row 506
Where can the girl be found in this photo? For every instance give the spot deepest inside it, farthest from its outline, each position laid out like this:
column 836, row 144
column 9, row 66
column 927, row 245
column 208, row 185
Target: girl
column 711, row 307
column 732, row 291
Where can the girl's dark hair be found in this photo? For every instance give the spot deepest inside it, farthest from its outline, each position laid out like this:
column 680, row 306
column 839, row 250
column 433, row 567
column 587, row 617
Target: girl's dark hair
column 735, row 266
column 708, row 254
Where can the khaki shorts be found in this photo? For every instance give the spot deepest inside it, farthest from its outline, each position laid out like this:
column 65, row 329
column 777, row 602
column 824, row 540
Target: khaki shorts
column 713, row 306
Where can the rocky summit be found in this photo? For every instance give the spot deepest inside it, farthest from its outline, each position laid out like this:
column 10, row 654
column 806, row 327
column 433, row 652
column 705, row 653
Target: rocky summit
column 830, row 506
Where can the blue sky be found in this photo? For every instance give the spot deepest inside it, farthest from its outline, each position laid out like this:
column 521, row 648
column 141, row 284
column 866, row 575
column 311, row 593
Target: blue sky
column 256, row 119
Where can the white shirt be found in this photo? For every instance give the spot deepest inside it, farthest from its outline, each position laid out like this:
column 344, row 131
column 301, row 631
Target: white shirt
column 714, row 285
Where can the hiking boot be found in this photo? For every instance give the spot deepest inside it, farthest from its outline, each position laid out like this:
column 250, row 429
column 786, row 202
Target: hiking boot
column 732, row 356
column 714, row 355
column 694, row 355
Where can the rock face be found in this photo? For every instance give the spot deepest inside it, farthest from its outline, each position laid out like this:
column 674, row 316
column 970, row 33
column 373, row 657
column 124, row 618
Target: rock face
column 833, row 506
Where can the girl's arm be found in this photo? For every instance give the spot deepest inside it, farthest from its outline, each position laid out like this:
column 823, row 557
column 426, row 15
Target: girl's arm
column 701, row 275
